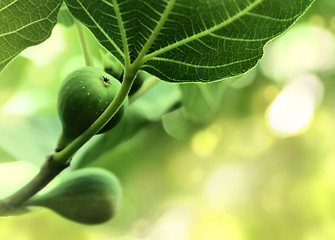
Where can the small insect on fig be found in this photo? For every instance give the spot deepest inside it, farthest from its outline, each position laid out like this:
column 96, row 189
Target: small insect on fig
column 113, row 67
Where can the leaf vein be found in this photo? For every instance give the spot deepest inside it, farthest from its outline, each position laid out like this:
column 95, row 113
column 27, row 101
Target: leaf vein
column 28, row 25
column 7, row 6
column 101, row 29
column 203, row 66
column 203, row 33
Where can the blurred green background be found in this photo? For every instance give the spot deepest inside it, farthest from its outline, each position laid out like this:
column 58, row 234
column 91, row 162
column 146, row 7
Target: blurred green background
column 261, row 168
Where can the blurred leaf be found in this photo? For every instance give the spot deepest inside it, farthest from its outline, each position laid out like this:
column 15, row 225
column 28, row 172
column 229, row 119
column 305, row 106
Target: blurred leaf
column 190, row 40
column 11, row 77
column 65, row 17
column 23, row 24
column 200, row 103
column 322, row 8
column 177, row 125
column 5, row 157
column 244, row 80
column 28, row 139
column 201, row 100
column 158, row 100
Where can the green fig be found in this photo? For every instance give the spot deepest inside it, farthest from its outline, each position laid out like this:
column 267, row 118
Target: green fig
column 140, row 77
column 89, row 196
column 83, row 97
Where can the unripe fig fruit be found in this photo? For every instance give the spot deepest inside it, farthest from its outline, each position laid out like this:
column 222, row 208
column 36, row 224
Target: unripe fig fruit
column 83, row 97
column 88, row 196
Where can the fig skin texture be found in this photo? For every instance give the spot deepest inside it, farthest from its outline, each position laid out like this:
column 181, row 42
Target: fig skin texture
column 83, row 97
column 88, row 196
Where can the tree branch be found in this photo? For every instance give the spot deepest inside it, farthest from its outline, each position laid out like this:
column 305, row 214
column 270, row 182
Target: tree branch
column 49, row 170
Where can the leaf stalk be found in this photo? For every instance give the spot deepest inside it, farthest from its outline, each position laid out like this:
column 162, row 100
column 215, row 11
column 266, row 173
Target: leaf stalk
column 83, row 43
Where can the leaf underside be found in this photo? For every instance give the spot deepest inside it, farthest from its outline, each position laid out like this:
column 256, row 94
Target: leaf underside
column 188, row 40
column 23, row 24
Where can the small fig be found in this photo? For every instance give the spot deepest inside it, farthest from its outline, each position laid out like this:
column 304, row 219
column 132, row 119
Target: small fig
column 89, row 196
column 83, row 97
column 140, row 77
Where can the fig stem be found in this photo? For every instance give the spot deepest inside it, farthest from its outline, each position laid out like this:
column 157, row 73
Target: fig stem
column 83, row 43
column 49, row 170
column 65, row 154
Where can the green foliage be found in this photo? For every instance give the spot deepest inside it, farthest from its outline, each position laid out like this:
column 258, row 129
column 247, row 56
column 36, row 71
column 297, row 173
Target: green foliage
column 23, row 24
column 177, row 124
column 190, row 40
column 178, row 41
column 87, row 196
column 201, row 101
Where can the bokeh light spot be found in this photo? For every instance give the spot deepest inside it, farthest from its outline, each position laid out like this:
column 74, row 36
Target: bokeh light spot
column 292, row 111
column 307, row 48
column 229, row 186
column 204, row 142
column 172, row 225
column 22, row 103
column 10, row 182
column 47, row 51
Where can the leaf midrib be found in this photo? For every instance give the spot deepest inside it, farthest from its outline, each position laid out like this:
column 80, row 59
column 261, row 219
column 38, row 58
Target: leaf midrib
column 155, row 32
column 122, row 32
